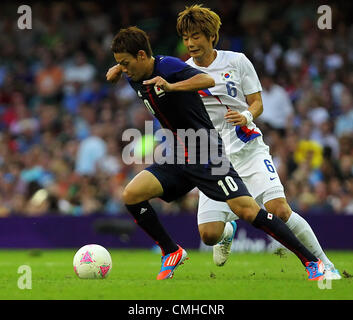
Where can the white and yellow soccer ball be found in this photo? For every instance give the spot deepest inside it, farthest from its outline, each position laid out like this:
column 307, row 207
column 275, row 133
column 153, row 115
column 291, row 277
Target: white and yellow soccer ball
column 92, row 261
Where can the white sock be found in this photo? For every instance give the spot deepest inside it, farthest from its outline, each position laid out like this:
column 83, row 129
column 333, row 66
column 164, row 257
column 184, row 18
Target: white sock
column 227, row 232
column 306, row 235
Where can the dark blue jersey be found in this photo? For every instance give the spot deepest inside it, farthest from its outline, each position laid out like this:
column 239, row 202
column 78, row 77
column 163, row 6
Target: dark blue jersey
column 178, row 110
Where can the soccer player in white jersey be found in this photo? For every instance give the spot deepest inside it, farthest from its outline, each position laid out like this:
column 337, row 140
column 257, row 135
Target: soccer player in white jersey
column 232, row 104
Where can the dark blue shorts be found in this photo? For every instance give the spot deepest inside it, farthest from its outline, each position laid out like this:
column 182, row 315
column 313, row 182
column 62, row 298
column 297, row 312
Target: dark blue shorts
column 179, row 179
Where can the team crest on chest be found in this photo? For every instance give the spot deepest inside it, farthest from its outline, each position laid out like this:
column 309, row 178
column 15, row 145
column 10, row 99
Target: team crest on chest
column 159, row 92
column 228, row 75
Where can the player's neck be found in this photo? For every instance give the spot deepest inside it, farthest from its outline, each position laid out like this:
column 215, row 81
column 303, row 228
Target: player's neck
column 149, row 68
column 206, row 59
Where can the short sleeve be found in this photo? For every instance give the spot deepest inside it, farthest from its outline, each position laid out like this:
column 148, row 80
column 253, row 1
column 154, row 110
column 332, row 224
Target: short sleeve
column 249, row 79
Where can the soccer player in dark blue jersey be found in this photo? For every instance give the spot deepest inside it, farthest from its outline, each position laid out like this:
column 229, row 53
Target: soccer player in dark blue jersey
column 168, row 88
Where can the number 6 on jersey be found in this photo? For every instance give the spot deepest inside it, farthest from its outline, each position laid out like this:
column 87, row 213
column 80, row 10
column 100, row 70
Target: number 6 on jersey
column 230, row 183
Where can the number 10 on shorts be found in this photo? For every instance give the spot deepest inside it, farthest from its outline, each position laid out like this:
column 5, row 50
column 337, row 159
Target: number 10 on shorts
column 229, row 184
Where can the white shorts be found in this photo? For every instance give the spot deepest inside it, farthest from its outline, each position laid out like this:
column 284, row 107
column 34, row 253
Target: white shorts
column 255, row 166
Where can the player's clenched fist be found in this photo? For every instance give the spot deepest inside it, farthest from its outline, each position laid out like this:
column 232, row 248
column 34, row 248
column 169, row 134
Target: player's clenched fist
column 236, row 118
column 114, row 73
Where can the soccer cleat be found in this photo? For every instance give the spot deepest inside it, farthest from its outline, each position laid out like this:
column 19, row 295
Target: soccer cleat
column 221, row 250
column 170, row 262
column 331, row 273
column 315, row 270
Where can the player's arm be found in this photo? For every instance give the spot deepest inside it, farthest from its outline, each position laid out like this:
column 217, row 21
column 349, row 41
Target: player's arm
column 195, row 83
column 114, row 73
column 252, row 89
column 255, row 109
column 254, row 101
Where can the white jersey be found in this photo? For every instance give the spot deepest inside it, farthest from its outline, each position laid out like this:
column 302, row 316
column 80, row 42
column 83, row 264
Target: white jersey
column 234, row 77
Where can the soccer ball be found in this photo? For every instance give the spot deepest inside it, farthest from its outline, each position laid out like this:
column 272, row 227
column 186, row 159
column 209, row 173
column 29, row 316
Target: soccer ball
column 92, row 261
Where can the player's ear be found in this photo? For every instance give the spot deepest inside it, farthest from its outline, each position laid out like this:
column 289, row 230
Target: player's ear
column 141, row 54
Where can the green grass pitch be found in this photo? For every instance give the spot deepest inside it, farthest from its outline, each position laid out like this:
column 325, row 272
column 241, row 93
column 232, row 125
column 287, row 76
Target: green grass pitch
column 246, row 276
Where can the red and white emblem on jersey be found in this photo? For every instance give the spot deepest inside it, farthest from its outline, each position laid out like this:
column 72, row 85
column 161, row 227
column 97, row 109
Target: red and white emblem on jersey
column 269, row 216
column 228, row 75
column 159, row 91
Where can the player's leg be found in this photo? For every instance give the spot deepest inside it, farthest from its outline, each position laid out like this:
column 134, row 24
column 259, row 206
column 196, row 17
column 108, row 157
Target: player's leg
column 211, row 232
column 212, row 218
column 247, row 209
column 270, row 193
column 231, row 188
column 302, row 230
column 221, row 247
column 217, row 227
column 168, row 183
column 143, row 187
column 255, row 166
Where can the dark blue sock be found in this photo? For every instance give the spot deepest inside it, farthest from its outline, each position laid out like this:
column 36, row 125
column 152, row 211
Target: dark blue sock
column 278, row 230
column 147, row 219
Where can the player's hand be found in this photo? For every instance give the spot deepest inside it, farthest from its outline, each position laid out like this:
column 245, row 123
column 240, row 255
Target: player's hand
column 114, row 73
column 236, row 118
column 160, row 83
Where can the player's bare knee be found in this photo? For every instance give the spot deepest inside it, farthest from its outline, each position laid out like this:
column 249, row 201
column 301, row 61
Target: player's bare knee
column 247, row 214
column 245, row 208
column 209, row 237
column 280, row 208
column 283, row 212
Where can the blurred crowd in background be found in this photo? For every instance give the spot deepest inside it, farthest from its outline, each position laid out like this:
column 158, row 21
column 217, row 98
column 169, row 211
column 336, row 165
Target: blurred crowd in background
column 61, row 123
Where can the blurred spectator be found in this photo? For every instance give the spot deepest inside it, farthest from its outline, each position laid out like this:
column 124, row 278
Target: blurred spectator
column 326, row 138
column 109, row 162
column 344, row 122
column 79, row 70
column 276, row 104
column 321, row 203
column 90, row 151
column 294, row 54
column 268, row 53
column 347, row 199
column 49, row 78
